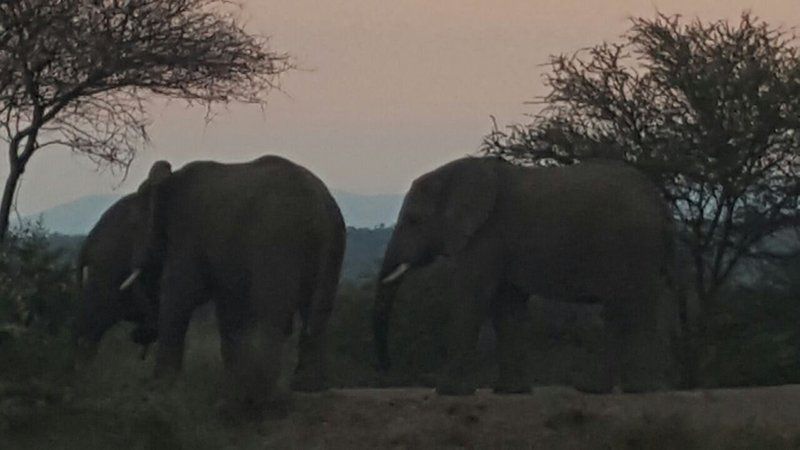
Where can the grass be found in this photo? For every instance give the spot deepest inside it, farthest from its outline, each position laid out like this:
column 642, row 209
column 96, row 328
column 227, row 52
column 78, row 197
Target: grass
column 115, row 404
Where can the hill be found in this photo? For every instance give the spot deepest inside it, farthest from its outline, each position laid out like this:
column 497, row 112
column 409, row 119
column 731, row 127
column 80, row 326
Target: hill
column 79, row 216
column 76, row 217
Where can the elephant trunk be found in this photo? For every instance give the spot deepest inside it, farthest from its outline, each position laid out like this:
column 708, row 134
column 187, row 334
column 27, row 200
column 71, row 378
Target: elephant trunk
column 403, row 253
column 384, row 300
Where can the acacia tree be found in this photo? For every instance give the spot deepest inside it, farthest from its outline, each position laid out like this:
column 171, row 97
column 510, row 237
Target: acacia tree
column 78, row 73
column 711, row 111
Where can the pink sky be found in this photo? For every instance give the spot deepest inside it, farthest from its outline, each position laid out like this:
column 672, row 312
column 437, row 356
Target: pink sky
column 387, row 90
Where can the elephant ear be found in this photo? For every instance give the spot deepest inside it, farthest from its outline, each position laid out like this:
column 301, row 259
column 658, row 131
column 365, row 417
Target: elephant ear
column 151, row 193
column 470, row 195
column 160, row 171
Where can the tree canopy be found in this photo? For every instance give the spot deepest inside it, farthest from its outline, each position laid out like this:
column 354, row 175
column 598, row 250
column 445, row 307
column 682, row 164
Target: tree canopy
column 78, row 73
column 711, row 111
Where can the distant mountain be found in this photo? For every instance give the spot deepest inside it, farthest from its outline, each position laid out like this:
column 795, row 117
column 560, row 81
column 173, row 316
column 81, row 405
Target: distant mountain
column 79, row 216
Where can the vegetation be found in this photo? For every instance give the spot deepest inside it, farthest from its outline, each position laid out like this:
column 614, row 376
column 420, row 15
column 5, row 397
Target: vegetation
column 752, row 338
column 710, row 110
column 752, row 341
column 36, row 284
column 78, row 73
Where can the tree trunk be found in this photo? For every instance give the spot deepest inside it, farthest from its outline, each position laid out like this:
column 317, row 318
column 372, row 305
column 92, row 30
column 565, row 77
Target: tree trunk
column 8, row 199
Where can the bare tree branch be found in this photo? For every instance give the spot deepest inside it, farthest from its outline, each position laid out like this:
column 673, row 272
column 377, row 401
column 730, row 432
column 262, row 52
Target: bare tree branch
column 80, row 72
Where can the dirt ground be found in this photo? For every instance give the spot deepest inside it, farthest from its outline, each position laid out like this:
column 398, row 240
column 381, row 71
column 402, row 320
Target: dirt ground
column 549, row 418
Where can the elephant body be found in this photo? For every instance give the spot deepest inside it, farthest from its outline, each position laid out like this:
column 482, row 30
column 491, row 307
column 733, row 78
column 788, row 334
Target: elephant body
column 593, row 232
column 263, row 240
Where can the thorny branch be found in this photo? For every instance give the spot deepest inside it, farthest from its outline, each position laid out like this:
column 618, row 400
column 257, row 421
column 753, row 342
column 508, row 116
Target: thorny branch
column 79, row 72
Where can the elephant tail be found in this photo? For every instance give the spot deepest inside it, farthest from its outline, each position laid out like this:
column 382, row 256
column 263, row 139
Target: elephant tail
column 327, row 275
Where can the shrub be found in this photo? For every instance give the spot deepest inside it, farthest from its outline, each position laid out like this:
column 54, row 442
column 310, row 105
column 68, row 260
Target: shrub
column 37, row 285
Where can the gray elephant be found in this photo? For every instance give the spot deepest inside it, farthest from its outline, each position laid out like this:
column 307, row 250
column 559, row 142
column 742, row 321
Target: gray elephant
column 594, row 232
column 263, row 240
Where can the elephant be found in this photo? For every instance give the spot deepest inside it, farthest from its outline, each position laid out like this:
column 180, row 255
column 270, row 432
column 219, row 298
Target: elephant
column 103, row 265
column 263, row 240
column 595, row 232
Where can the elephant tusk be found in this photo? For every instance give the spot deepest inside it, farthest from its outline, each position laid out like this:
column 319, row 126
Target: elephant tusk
column 398, row 272
column 84, row 275
column 129, row 281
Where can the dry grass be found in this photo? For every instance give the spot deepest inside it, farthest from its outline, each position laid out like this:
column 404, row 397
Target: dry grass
column 114, row 404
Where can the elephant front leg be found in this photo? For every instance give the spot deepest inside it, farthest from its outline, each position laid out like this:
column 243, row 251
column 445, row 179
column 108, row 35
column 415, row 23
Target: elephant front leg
column 633, row 353
column 469, row 310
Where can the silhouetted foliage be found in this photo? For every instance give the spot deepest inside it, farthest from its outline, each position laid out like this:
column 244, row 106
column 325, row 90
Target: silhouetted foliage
column 78, row 73
column 37, row 286
column 752, row 337
column 710, row 110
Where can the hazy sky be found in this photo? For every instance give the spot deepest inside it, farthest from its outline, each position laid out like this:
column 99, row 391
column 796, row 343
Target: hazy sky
column 388, row 88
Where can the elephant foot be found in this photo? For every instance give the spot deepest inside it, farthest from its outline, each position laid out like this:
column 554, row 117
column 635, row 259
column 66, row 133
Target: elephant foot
column 639, row 387
column 594, row 389
column 308, row 383
column 512, row 388
column 448, row 388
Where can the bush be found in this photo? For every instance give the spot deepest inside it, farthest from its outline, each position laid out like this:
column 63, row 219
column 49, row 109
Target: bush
column 37, row 307
column 753, row 338
column 37, row 285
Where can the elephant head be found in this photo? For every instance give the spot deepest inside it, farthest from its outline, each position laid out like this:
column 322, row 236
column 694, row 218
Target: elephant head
column 440, row 214
column 117, row 271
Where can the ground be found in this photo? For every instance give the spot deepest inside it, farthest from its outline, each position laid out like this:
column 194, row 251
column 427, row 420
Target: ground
column 114, row 404
column 549, row 418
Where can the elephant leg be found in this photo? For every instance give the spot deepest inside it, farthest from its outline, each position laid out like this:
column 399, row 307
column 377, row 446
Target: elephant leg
column 231, row 323
column 255, row 342
column 646, row 353
column 255, row 366
column 512, row 324
column 474, row 288
column 616, row 333
column 181, row 291
column 309, row 374
column 315, row 310
column 634, row 356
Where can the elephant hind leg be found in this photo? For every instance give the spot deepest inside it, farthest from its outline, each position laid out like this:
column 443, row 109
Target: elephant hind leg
column 315, row 310
column 253, row 335
column 636, row 357
column 512, row 324
column 258, row 365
